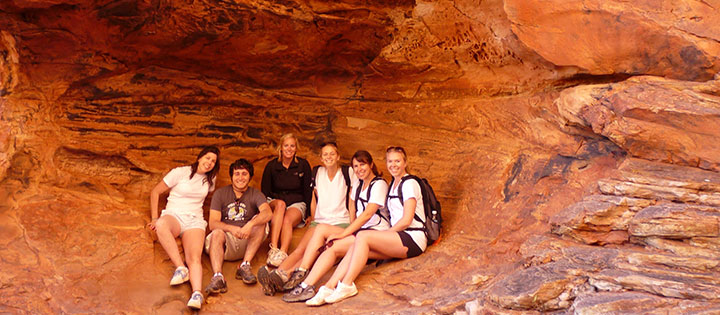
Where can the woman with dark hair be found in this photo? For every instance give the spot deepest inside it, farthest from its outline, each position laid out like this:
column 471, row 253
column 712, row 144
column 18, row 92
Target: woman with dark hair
column 286, row 184
column 183, row 217
column 404, row 239
column 367, row 198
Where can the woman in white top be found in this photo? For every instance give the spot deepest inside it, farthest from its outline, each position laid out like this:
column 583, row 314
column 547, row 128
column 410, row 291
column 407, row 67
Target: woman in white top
column 405, row 238
column 328, row 212
column 364, row 204
column 183, row 217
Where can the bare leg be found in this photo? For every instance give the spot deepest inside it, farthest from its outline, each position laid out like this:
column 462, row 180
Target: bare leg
column 193, row 245
column 386, row 243
column 292, row 217
column 278, row 208
column 327, row 259
column 217, row 250
column 291, row 262
column 253, row 244
column 167, row 229
column 340, row 271
column 322, row 232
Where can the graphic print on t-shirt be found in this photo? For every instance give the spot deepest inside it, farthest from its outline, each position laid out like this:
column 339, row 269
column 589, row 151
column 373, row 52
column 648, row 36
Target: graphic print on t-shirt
column 236, row 211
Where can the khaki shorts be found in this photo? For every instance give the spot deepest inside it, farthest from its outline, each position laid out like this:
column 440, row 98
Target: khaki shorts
column 300, row 205
column 234, row 247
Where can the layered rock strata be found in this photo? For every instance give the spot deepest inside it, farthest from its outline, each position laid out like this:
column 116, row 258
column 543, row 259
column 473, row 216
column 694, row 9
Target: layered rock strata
column 572, row 143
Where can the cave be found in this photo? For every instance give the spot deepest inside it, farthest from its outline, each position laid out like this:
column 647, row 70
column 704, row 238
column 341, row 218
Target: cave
column 574, row 145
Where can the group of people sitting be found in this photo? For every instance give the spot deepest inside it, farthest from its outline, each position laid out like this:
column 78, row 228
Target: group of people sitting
column 353, row 215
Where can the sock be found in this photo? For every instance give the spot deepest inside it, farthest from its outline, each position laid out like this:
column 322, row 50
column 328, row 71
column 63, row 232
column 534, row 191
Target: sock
column 303, row 285
column 218, row 274
column 301, row 269
column 245, row 263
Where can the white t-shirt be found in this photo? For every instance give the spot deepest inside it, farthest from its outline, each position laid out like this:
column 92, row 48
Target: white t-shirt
column 410, row 189
column 377, row 196
column 186, row 195
column 331, row 196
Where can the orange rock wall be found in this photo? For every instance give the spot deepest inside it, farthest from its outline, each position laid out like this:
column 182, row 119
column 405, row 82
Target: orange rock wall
column 512, row 109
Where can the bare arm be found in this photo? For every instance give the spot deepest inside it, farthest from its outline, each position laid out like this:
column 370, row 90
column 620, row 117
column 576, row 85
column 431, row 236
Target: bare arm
column 351, row 209
column 215, row 222
column 358, row 223
column 159, row 189
column 408, row 214
column 313, row 206
column 262, row 217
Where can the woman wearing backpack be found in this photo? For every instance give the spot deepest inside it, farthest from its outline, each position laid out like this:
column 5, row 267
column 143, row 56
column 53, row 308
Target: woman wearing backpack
column 328, row 212
column 405, row 238
column 366, row 198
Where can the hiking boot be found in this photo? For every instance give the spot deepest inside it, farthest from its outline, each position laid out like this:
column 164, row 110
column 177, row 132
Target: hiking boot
column 217, row 285
column 275, row 257
column 196, row 300
column 319, row 298
column 244, row 272
column 342, row 291
column 180, row 276
column 296, row 277
column 298, row 294
column 279, row 278
column 264, row 279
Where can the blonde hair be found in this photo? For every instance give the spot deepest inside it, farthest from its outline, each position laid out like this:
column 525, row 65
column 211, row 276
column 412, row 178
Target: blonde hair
column 282, row 140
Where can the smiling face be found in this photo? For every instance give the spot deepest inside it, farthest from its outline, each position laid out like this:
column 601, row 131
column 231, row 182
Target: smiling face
column 240, row 179
column 362, row 170
column 289, row 147
column 329, row 156
column 396, row 164
column 206, row 163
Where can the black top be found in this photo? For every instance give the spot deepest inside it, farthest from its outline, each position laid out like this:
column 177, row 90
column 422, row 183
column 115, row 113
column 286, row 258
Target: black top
column 290, row 184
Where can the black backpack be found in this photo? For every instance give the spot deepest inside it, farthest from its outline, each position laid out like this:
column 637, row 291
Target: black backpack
column 433, row 213
column 346, row 174
column 382, row 212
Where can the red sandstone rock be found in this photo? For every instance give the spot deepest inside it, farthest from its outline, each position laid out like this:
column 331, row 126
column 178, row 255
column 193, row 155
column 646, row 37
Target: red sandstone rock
column 652, row 118
column 100, row 99
column 672, row 39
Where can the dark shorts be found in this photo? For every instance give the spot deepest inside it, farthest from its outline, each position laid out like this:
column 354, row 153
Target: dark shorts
column 407, row 241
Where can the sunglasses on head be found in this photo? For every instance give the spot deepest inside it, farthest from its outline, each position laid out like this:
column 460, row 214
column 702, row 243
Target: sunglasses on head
column 396, row 149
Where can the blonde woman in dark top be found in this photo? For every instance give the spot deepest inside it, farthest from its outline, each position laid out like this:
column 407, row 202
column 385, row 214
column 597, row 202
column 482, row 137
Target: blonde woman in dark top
column 286, row 184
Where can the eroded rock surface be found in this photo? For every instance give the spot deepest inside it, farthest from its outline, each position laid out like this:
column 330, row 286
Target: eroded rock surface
column 569, row 182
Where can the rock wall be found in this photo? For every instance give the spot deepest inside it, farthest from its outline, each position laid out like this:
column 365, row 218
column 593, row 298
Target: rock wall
column 572, row 144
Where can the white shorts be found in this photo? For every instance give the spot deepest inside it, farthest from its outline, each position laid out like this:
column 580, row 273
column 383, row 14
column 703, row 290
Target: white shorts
column 187, row 220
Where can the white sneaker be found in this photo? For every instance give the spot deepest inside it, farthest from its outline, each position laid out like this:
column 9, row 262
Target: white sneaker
column 319, row 298
column 196, row 300
column 181, row 275
column 342, row 291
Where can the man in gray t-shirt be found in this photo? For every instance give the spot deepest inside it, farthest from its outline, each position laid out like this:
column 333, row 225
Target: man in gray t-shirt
column 238, row 221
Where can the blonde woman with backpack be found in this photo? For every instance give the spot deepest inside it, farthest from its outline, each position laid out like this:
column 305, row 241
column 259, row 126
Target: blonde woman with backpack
column 406, row 237
column 367, row 201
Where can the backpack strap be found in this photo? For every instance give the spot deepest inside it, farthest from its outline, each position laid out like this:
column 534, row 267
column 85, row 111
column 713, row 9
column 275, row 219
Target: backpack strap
column 346, row 174
column 367, row 197
column 402, row 201
column 312, row 180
